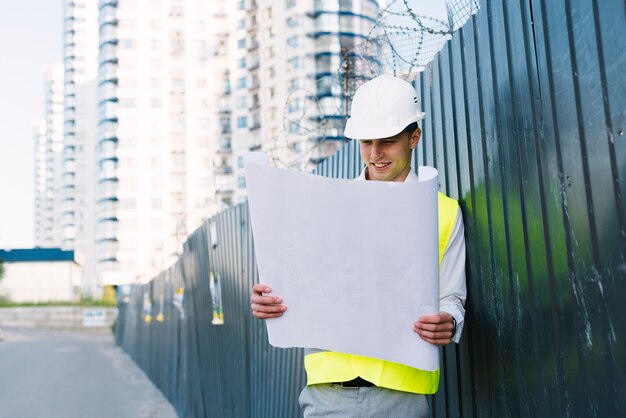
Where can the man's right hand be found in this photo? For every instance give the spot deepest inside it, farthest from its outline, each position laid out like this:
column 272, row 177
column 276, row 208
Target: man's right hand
column 263, row 306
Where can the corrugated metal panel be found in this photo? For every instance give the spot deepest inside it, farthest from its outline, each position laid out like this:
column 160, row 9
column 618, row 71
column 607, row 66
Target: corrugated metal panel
column 526, row 112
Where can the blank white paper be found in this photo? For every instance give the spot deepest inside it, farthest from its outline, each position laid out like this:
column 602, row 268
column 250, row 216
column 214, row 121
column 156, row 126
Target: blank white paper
column 356, row 262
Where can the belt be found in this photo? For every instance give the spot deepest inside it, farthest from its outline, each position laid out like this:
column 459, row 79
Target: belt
column 354, row 383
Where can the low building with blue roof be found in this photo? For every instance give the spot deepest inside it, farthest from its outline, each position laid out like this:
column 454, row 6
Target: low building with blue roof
column 40, row 275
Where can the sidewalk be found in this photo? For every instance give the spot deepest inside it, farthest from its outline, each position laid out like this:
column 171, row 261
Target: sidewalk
column 48, row 374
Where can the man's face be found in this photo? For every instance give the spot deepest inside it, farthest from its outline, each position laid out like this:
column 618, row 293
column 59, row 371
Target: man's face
column 388, row 159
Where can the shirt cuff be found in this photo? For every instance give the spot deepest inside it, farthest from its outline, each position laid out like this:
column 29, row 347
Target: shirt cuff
column 458, row 317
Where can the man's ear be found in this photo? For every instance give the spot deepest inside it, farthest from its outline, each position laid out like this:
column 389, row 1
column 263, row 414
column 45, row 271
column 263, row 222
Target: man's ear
column 415, row 137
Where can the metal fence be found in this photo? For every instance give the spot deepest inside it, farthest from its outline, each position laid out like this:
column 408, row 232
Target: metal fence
column 525, row 123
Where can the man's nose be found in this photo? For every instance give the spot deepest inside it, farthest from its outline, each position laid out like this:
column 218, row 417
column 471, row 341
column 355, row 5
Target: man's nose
column 376, row 151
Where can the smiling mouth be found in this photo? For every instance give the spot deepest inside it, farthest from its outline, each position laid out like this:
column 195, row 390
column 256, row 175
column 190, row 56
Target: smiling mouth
column 380, row 166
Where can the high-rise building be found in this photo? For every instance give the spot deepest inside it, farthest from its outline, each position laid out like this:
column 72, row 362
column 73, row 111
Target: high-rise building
column 185, row 89
column 284, row 70
column 164, row 130
column 48, row 171
column 80, row 52
column 39, row 135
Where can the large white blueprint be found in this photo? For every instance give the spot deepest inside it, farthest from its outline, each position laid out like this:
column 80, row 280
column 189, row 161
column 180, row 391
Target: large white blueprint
column 356, row 262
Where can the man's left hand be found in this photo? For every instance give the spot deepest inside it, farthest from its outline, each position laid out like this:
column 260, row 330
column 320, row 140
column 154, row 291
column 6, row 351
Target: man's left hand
column 435, row 329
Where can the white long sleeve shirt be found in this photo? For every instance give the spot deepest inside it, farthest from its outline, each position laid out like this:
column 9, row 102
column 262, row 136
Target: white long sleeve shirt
column 452, row 287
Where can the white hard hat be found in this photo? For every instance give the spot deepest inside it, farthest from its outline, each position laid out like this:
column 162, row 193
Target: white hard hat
column 382, row 108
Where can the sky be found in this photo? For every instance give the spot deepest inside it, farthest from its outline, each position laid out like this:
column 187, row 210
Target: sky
column 30, row 38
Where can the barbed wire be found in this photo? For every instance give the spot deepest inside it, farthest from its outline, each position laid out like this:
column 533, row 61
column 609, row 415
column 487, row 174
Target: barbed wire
column 401, row 42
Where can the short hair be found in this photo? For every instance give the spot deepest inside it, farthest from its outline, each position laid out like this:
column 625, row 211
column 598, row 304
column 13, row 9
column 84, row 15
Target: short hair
column 411, row 128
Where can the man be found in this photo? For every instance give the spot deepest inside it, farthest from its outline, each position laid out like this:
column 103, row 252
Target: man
column 384, row 116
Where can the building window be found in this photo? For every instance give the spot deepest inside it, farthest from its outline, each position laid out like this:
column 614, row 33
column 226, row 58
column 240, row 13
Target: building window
column 126, row 43
column 292, row 41
column 242, row 63
column 127, row 103
column 242, row 102
column 294, row 105
column 128, row 204
column 294, row 63
column 292, row 22
column 241, row 83
column 242, row 182
column 241, row 24
column 241, row 43
column 242, row 122
column 241, row 5
column 289, row 4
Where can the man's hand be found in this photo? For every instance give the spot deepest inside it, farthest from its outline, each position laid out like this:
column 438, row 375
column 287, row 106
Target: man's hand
column 264, row 307
column 435, row 329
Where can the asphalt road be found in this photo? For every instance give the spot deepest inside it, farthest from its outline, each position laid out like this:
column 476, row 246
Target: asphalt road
column 46, row 374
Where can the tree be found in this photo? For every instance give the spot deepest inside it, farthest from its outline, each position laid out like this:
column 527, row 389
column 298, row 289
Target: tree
column 1, row 269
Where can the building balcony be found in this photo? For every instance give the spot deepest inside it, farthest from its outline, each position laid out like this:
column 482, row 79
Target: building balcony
column 224, row 170
column 108, row 175
column 107, row 249
column 107, row 152
column 106, row 210
column 224, row 191
column 108, row 33
column 107, row 15
column 103, row 3
column 254, row 45
column 68, row 26
column 107, row 72
column 68, row 151
column 107, row 231
column 69, row 113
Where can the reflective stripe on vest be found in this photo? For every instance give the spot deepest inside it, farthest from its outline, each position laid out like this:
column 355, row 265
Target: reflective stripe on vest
column 329, row 366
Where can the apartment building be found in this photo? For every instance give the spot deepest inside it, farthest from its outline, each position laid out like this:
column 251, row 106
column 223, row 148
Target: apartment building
column 163, row 130
column 155, row 131
column 48, row 135
column 285, row 62
column 39, row 195
column 80, row 52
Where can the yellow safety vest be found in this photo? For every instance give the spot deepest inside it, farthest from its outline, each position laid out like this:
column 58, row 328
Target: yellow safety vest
column 330, row 366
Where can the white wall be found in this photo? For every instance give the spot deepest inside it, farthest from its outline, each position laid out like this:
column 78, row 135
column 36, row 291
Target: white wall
column 41, row 281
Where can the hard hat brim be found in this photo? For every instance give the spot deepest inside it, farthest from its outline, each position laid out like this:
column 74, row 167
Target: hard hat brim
column 354, row 131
